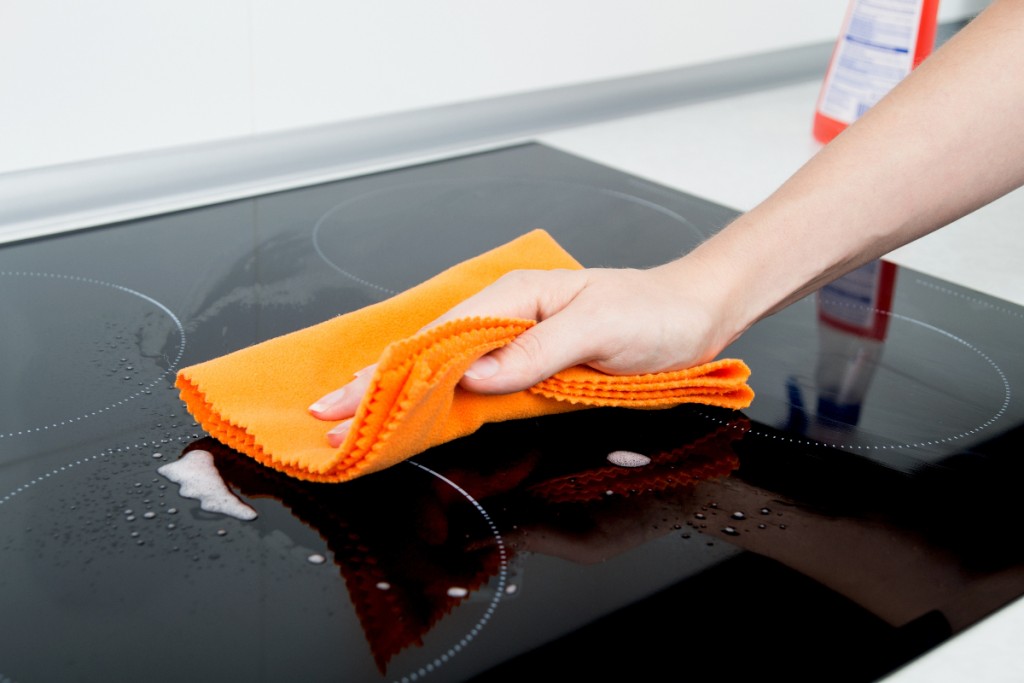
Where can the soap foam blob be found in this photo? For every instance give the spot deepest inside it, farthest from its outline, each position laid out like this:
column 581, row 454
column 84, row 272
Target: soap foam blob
column 628, row 459
column 198, row 478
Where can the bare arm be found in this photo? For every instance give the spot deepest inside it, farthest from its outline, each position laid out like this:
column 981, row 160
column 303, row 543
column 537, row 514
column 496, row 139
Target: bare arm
column 945, row 141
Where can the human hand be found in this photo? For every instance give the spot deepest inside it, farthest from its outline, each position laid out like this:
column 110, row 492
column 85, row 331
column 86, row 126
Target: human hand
column 618, row 321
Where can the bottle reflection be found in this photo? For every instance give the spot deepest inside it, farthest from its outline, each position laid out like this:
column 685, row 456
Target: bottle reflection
column 853, row 318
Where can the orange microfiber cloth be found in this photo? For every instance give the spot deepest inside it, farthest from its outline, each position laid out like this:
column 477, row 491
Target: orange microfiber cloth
column 255, row 399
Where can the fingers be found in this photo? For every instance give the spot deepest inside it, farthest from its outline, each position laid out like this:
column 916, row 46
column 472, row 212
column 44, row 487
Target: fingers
column 541, row 351
column 336, row 436
column 579, row 332
column 342, row 403
column 565, row 335
column 532, row 295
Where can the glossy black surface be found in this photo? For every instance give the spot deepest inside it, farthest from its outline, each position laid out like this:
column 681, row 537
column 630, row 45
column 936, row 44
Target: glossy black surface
column 858, row 513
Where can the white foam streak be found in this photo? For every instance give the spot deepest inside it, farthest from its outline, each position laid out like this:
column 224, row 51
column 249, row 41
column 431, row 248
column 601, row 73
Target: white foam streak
column 628, row 459
column 198, row 478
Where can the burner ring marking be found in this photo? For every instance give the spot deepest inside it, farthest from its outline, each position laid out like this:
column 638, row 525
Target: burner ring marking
column 1007, row 393
column 171, row 367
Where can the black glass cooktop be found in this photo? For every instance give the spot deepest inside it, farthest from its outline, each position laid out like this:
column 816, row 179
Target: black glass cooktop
column 859, row 513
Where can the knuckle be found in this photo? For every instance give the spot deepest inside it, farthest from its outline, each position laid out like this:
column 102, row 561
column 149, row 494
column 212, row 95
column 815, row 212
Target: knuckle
column 515, row 279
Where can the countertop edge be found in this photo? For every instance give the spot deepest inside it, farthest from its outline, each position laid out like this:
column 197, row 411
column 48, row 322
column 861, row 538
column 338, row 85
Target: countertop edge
column 60, row 198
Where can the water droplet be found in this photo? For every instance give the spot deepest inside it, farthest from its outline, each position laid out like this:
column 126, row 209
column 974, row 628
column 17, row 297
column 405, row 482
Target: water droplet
column 782, row 526
column 149, row 515
column 762, row 526
column 172, row 511
column 383, row 585
column 765, row 511
column 158, row 455
column 222, row 532
column 130, row 518
column 730, row 531
column 738, row 515
column 700, row 515
column 316, row 558
column 457, row 592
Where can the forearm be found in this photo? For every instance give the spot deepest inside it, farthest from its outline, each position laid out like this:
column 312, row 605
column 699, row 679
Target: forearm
column 947, row 140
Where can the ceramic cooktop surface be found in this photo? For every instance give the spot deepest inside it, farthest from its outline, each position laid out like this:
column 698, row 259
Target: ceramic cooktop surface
column 856, row 515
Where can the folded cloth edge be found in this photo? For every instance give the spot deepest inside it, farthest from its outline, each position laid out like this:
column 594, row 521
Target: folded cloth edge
column 720, row 383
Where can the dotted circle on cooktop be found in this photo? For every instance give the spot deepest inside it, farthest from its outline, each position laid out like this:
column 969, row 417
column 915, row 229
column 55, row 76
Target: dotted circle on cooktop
column 388, row 251
column 921, row 372
column 157, row 514
column 499, row 591
column 76, row 464
column 75, row 347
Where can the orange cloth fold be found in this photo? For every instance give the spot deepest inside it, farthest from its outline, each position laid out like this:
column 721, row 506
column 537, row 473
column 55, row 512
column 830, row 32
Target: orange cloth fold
column 255, row 400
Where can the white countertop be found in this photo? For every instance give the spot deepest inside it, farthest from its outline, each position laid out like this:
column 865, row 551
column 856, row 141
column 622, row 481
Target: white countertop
column 735, row 151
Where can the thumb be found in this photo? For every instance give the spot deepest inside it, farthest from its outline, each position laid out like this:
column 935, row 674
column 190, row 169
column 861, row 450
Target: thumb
column 546, row 348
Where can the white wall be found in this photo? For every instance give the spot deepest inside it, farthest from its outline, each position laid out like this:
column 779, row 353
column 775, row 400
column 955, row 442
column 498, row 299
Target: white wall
column 105, row 77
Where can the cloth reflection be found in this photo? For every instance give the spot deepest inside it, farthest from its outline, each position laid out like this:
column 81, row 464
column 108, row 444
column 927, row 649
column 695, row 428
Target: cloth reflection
column 411, row 549
column 887, row 543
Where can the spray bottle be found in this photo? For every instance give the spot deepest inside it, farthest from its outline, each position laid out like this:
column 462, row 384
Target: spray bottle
column 880, row 43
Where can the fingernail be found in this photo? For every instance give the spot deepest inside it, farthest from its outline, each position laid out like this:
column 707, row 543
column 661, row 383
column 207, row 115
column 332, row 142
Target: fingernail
column 483, row 368
column 328, row 401
column 336, row 436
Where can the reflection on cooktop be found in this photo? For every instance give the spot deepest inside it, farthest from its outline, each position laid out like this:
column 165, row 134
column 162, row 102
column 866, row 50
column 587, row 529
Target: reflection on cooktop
column 411, row 555
column 469, row 216
column 855, row 513
column 845, row 390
